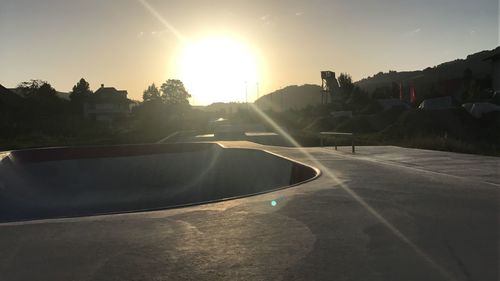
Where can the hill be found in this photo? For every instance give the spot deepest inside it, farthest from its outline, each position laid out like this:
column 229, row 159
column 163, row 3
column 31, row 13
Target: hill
column 443, row 79
column 291, row 97
column 8, row 98
column 477, row 67
column 224, row 107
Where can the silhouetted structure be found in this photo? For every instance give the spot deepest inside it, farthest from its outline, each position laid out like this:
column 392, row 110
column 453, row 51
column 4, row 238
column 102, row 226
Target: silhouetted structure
column 107, row 104
column 329, row 86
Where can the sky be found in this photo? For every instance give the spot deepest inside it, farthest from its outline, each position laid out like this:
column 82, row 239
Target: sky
column 129, row 44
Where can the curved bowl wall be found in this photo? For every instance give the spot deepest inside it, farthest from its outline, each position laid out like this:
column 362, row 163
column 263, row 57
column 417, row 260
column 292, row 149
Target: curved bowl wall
column 75, row 181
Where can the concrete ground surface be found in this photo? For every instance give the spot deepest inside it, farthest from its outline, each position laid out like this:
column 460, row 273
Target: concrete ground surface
column 385, row 213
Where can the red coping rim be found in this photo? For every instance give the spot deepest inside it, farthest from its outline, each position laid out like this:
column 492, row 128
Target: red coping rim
column 88, row 152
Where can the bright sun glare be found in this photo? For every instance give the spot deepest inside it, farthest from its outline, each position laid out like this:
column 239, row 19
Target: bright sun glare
column 218, row 69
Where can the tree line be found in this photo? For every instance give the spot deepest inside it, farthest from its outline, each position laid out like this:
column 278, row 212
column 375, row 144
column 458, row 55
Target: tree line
column 39, row 116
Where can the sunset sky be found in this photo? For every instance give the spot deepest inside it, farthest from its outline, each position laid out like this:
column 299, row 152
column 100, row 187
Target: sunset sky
column 220, row 48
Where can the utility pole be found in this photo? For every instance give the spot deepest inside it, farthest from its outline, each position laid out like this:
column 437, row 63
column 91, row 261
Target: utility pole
column 246, row 94
column 258, row 94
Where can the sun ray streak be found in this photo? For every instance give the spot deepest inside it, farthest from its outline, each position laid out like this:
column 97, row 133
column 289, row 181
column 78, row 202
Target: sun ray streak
column 160, row 18
column 327, row 172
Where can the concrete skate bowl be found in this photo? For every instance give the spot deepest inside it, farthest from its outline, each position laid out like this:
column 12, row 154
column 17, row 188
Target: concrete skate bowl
column 79, row 181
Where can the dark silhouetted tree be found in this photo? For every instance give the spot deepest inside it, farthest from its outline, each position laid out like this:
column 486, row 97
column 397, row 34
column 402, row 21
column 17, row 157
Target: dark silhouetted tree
column 41, row 98
column 38, row 90
column 152, row 94
column 174, row 93
column 359, row 99
column 79, row 95
column 46, row 92
column 29, row 89
column 346, row 85
column 80, row 91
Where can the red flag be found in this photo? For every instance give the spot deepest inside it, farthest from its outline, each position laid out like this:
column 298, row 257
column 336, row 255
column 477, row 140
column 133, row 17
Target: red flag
column 413, row 96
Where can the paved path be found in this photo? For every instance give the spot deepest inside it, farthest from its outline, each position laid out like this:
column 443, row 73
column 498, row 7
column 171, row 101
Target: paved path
column 385, row 213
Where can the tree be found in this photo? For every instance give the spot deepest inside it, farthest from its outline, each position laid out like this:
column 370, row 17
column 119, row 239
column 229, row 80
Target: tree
column 29, row 89
column 37, row 90
column 359, row 96
column 41, row 98
column 345, row 83
column 174, row 93
column 46, row 92
column 81, row 91
column 152, row 94
column 79, row 95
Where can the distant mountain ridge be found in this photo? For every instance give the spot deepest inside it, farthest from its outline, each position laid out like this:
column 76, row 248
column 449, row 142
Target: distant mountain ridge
column 445, row 71
column 297, row 97
column 291, row 97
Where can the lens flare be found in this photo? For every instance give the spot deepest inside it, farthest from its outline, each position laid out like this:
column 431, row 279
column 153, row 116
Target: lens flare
column 327, row 172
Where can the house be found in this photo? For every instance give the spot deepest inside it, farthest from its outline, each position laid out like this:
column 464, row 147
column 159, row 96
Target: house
column 107, row 104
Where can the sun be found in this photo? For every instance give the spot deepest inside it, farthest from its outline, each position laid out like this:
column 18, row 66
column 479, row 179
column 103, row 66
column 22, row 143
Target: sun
column 218, row 69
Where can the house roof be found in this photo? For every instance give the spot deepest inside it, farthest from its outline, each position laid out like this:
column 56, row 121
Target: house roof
column 110, row 95
column 110, row 91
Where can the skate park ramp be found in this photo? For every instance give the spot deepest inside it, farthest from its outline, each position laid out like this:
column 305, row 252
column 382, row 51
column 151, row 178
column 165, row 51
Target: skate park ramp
column 76, row 181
